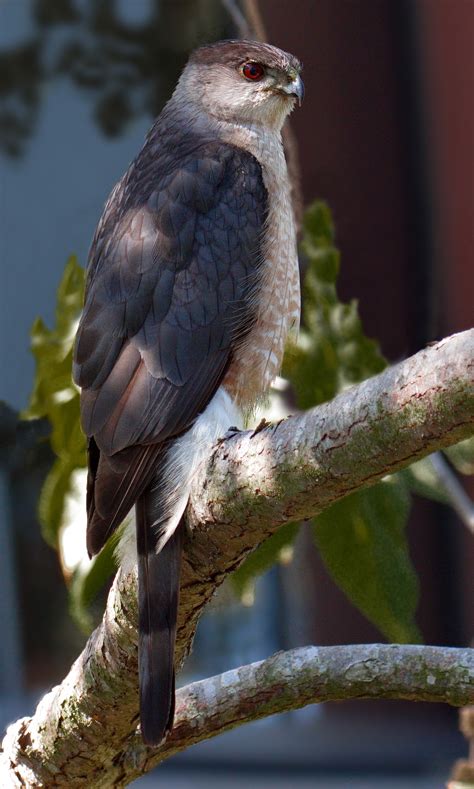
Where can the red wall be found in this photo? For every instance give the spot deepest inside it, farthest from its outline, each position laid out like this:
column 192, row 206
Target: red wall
column 386, row 136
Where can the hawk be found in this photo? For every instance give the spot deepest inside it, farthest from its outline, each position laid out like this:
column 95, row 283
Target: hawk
column 192, row 287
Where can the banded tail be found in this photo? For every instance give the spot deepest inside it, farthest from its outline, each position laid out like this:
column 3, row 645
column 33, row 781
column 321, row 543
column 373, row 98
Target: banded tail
column 158, row 597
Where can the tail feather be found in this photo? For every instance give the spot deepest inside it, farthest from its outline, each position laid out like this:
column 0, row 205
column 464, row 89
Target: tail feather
column 158, row 597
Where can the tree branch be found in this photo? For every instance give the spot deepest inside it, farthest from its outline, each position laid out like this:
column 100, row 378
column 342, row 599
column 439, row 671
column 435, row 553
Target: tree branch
column 309, row 675
column 253, row 483
column 449, row 482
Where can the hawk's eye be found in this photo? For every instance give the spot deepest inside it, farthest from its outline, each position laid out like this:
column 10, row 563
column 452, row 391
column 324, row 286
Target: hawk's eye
column 253, row 71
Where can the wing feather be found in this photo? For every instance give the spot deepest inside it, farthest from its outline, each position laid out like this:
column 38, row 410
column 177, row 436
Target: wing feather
column 170, row 291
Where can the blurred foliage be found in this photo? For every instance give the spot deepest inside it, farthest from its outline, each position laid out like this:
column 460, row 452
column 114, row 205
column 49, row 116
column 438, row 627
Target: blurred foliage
column 125, row 61
column 462, row 456
column 332, row 351
column 261, row 559
column 422, row 478
column 361, row 538
column 56, row 397
column 87, row 584
column 362, row 541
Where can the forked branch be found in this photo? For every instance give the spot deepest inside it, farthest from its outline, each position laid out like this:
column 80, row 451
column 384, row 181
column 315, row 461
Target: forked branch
column 84, row 731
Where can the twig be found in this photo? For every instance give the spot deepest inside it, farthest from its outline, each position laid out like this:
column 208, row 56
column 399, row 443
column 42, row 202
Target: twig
column 242, row 26
column 460, row 501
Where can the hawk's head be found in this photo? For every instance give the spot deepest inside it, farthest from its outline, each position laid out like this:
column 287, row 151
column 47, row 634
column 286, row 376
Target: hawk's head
column 243, row 81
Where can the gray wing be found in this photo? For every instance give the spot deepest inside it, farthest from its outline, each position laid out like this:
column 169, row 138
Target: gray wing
column 169, row 295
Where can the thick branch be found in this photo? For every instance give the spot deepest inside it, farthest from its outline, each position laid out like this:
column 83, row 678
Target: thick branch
column 305, row 463
column 290, row 680
column 253, row 483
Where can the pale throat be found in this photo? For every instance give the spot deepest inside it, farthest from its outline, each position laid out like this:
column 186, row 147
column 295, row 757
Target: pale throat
column 258, row 360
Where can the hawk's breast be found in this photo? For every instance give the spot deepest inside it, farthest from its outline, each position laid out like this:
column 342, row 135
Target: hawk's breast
column 257, row 361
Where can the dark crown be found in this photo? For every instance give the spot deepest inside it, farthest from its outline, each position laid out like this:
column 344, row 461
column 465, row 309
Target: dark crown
column 233, row 52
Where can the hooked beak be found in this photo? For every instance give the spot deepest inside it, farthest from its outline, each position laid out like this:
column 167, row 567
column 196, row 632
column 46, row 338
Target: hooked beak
column 295, row 88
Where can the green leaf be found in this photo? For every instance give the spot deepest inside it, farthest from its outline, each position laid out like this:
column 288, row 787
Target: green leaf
column 262, row 558
column 52, row 348
column 55, row 396
column 87, row 584
column 56, row 487
column 422, row 479
column 362, row 542
column 462, row 456
column 332, row 351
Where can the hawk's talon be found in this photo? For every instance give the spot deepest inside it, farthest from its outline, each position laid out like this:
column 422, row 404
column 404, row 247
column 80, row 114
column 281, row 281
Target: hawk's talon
column 231, row 432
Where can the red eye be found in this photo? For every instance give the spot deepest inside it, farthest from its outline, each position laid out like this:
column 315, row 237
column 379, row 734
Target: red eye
column 253, row 71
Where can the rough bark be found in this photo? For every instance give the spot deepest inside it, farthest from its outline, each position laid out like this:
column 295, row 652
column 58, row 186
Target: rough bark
column 84, row 730
column 293, row 679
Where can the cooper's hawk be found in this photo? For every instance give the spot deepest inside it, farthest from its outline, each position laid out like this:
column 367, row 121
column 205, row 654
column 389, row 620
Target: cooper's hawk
column 192, row 288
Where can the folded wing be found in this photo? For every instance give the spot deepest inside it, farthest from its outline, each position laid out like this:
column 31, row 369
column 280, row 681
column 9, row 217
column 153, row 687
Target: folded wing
column 171, row 291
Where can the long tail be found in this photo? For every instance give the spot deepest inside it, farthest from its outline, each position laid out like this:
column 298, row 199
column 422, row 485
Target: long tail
column 158, row 595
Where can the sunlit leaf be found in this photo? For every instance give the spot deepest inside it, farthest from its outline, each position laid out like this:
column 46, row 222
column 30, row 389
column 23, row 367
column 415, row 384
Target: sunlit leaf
column 87, row 584
column 53, row 495
column 54, row 396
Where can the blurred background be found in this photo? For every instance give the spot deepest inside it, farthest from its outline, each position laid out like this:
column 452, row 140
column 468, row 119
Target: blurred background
column 385, row 136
